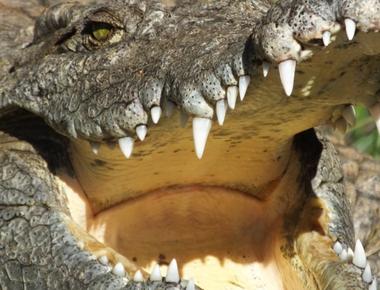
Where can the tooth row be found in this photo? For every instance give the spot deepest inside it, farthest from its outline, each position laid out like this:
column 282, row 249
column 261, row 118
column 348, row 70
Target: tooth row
column 151, row 98
column 287, row 68
column 201, row 125
column 359, row 259
column 213, row 90
column 172, row 275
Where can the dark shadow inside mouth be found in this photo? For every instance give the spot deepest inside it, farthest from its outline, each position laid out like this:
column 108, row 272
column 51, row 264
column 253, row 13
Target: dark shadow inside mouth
column 52, row 146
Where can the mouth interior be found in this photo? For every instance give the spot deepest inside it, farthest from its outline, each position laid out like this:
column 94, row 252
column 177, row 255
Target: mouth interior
column 233, row 236
column 222, row 216
column 231, row 216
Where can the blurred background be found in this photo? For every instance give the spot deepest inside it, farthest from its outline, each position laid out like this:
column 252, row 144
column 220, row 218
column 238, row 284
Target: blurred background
column 364, row 135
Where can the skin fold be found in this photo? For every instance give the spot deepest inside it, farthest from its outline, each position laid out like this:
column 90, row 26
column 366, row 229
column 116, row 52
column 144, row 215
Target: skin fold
column 260, row 208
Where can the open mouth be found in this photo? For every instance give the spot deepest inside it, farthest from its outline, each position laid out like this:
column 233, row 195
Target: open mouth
column 228, row 187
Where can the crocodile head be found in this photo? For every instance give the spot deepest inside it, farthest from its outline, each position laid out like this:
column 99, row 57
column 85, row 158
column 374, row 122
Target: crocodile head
column 183, row 129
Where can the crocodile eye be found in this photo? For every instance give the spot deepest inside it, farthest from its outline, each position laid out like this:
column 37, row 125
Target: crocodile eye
column 101, row 31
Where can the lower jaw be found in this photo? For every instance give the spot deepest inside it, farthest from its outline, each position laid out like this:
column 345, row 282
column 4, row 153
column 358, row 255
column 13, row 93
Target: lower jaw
column 222, row 238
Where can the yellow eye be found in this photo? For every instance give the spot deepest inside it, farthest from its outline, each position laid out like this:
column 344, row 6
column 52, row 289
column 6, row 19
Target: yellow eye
column 101, row 33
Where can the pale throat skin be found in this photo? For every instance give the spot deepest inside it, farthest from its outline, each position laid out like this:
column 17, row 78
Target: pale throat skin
column 261, row 207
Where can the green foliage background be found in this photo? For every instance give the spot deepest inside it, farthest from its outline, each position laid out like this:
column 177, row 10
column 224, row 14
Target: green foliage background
column 364, row 135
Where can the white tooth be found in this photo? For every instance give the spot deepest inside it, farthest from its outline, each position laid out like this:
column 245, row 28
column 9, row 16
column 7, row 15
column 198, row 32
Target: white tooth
column 126, row 146
column 343, row 255
column 350, row 28
column 373, row 285
column 367, row 274
column 350, row 254
column 118, row 270
column 169, row 108
column 326, row 37
column 201, row 128
column 156, row 114
column 338, row 248
column 95, row 147
column 172, row 276
column 221, row 110
column 243, row 86
column 156, row 274
column 360, row 259
column 266, row 67
column 103, row 260
column 287, row 70
column 141, row 132
column 349, row 115
column 190, row 285
column 138, row 277
column 183, row 118
column 232, row 93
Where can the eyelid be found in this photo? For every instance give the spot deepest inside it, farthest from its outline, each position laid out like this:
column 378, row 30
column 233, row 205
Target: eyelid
column 105, row 16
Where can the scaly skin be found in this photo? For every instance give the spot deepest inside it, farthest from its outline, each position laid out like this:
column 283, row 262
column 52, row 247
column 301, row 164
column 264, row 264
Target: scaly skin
column 186, row 53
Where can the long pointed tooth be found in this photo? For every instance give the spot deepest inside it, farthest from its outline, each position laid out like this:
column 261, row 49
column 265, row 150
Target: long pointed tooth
column 190, row 285
column 103, row 260
column 169, row 108
column 138, row 277
column 326, row 37
column 232, row 93
column 141, row 132
column 338, row 248
column 266, row 67
column 156, row 274
column 221, row 110
column 360, row 259
column 349, row 115
column 156, row 114
column 201, row 129
column 183, row 118
column 172, row 275
column 343, row 255
column 373, row 285
column 243, row 86
column 287, row 70
column 118, row 270
column 350, row 28
column 126, row 146
column 367, row 274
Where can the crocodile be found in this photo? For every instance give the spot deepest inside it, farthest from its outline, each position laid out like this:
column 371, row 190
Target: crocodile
column 181, row 144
